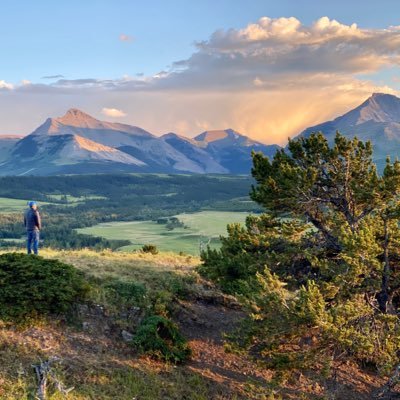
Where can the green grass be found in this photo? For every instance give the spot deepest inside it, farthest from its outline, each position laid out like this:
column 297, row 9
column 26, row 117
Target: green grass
column 200, row 226
column 14, row 205
column 14, row 240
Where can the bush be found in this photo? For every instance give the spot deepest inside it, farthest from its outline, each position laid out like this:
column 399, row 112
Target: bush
column 150, row 248
column 247, row 249
column 160, row 338
column 125, row 293
column 32, row 285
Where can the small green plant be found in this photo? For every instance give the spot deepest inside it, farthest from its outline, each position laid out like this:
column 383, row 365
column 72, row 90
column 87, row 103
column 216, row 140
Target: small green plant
column 150, row 248
column 125, row 293
column 160, row 338
column 33, row 286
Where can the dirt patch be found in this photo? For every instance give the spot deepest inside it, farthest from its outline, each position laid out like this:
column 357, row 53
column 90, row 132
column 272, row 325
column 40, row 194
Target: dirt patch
column 206, row 323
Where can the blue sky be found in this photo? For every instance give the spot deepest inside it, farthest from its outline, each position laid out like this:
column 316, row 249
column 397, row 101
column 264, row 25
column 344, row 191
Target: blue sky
column 109, row 42
column 80, row 39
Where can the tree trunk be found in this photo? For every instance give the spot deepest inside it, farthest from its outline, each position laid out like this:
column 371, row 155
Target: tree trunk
column 331, row 240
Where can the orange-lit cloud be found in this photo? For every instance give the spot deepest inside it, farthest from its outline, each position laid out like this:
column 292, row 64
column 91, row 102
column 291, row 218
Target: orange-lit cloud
column 113, row 112
column 269, row 80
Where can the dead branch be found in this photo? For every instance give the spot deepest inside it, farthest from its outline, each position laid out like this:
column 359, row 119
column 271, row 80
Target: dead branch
column 44, row 373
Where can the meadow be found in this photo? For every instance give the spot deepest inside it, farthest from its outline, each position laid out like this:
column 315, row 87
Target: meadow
column 10, row 205
column 202, row 227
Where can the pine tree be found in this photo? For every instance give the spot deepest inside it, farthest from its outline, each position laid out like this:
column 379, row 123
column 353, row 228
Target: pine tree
column 321, row 265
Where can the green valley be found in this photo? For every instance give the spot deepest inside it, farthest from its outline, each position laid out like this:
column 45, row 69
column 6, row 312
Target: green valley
column 198, row 229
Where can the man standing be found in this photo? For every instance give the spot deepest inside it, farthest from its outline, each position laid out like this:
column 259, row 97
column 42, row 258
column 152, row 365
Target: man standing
column 33, row 225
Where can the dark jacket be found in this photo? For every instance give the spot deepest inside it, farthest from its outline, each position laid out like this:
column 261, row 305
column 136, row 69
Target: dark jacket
column 32, row 220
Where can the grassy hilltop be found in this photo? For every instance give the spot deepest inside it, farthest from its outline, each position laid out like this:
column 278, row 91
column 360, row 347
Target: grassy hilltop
column 93, row 355
column 99, row 364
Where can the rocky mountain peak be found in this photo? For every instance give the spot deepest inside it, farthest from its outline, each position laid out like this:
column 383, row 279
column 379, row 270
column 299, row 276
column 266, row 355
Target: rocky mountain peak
column 380, row 107
column 75, row 117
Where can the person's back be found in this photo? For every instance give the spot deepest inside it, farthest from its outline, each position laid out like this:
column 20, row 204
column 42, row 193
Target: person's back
column 32, row 220
column 33, row 226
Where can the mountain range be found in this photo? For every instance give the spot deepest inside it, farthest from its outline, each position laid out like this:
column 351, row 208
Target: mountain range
column 77, row 143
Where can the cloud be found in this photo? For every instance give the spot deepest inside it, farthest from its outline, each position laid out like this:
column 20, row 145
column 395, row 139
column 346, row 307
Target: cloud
column 269, row 80
column 282, row 48
column 125, row 38
column 52, row 77
column 271, row 53
column 5, row 85
column 113, row 112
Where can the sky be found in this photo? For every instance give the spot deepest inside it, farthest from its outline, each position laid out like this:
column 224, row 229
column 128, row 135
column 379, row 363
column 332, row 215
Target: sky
column 267, row 69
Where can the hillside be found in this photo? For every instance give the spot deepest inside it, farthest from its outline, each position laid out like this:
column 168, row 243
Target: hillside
column 99, row 364
column 7, row 142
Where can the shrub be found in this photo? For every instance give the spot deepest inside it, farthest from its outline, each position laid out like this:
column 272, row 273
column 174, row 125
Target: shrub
column 32, row 285
column 150, row 248
column 247, row 249
column 125, row 293
column 160, row 338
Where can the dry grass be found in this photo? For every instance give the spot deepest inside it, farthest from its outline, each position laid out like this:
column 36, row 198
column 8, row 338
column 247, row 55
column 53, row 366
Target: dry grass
column 101, row 366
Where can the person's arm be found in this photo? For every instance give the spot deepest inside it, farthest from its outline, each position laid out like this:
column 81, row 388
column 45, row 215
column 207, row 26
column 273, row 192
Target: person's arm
column 38, row 220
column 25, row 219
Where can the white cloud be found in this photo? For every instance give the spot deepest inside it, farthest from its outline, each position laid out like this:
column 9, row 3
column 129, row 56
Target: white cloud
column 113, row 112
column 6, row 85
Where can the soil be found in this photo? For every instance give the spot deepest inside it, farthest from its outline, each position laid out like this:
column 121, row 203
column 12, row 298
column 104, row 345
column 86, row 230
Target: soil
column 206, row 324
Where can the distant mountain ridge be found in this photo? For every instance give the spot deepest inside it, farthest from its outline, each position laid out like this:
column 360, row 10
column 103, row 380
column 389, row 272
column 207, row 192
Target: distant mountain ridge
column 78, row 143
column 377, row 119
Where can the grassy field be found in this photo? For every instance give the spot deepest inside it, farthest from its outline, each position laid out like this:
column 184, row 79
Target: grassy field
column 199, row 227
column 14, row 205
column 9, row 205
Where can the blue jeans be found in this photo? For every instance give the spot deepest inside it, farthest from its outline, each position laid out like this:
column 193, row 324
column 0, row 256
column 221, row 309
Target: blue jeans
column 32, row 241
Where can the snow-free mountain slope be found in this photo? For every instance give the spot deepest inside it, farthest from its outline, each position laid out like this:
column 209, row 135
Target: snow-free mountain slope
column 77, row 120
column 7, row 142
column 377, row 119
column 232, row 150
column 194, row 152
